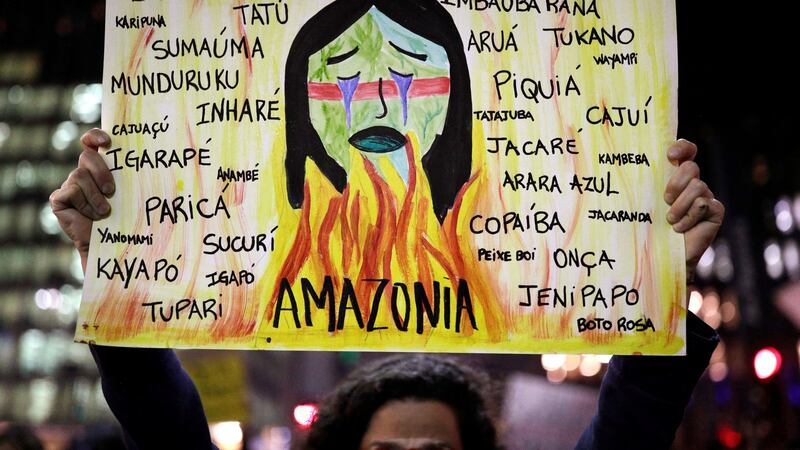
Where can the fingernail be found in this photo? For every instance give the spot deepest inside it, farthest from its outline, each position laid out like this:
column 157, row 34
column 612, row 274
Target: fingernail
column 108, row 188
column 670, row 218
column 103, row 208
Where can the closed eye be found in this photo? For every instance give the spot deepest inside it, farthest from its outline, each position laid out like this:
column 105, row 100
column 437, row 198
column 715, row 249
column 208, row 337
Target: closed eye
column 398, row 74
column 350, row 77
column 419, row 56
column 339, row 58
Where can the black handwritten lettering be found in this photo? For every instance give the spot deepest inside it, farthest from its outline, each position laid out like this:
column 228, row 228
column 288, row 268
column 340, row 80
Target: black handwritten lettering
column 584, row 296
column 614, row 59
column 514, row 222
column 487, row 41
column 152, row 129
column 107, row 237
column 226, row 110
column 158, row 159
column 573, row 8
column 143, row 84
column 623, row 159
column 137, row 22
column 586, row 259
column 617, row 116
column 420, row 305
column 211, row 309
column 263, row 13
column 620, row 216
column 503, row 115
column 228, row 277
column 527, row 181
column 590, row 36
column 227, row 175
column 534, row 89
column 217, row 48
column 555, row 146
column 183, row 208
column 128, row 269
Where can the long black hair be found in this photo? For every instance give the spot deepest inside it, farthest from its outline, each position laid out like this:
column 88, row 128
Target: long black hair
column 447, row 163
column 345, row 415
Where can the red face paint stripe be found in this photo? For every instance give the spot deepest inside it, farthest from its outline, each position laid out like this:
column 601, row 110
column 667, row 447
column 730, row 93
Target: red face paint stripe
column 423, row 87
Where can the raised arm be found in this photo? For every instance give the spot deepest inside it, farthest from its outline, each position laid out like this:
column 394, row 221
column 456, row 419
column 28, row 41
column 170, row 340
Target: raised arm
column 642, row 399
column 148, row 391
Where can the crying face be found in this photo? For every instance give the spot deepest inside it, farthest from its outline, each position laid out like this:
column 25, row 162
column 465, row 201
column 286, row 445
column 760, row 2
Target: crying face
column 373, row 85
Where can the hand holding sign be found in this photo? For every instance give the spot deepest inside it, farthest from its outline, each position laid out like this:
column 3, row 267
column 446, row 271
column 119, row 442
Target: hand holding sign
column 694, row 211
column 82, row 197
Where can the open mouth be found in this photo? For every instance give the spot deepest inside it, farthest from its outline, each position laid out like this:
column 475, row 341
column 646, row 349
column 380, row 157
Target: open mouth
column 377, row 140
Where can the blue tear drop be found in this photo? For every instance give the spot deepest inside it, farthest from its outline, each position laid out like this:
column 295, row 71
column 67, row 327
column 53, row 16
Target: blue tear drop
column 348, row 87
column 403, row 84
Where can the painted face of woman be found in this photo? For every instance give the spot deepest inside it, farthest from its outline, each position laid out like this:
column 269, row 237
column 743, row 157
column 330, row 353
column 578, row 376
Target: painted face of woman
column 374, row 85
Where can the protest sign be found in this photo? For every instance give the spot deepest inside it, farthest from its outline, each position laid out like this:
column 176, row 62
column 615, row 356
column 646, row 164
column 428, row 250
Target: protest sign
column 452, row 175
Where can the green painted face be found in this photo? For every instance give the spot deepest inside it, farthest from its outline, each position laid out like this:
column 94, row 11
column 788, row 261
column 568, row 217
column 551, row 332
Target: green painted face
column 372, row 85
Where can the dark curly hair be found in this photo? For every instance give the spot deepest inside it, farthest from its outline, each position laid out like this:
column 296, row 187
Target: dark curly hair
column 345, row 415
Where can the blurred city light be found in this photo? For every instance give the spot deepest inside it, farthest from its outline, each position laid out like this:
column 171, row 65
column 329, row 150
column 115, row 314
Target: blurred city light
column 5, row 132
column 553, row 362
column 227, row 435
column 86, row 102
column 718, row 371
column 767, row 363
column 572, row 362
column 729, row 437
column 557, row 376
column 65, row 133
column 791, row 259
column 590, row 366
column 48, row 220
column 305, row 414
column 773, row 259
column 26, row 176
column 695, row 301
column 783, row 215
column 275, row 438
column 710, row 312
column 705, row 267
column 723, row 264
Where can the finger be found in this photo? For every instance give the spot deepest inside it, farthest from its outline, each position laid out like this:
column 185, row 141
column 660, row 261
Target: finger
column 716, row 212
column 680, row 179
column 702, row 234
column 94, row 139
column 98, row 169
column 77, row 227
column 700, row 211
column 91, row 192
column 696, row 188
column 68, row 198
column 681, row 151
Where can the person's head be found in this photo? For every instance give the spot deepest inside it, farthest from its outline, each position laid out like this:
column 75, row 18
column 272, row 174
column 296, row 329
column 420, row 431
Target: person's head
column 401, row 402
column 367, row 74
